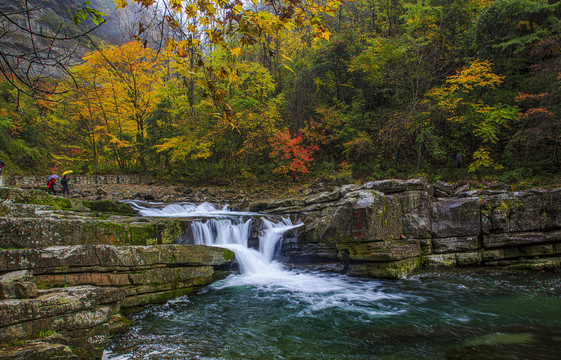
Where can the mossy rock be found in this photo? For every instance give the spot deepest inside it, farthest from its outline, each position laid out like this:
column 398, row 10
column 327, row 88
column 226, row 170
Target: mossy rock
column 55, row 202
column 109, row 206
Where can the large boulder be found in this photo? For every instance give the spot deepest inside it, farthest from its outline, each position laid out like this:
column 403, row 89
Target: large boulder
column 515, row 212
column 456, row 217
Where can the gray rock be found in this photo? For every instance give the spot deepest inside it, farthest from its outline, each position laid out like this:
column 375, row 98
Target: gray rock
column 504, row 240
column 440, row 261
column 455, row 244
column 38, row 350
column 9, row 281
column 456, row 217
column 416, row 218
column 461, row 189
column 395, row 186
column 68, row 259
column 444, row 189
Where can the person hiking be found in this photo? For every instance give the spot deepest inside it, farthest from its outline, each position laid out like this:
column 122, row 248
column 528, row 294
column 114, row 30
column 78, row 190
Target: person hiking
column 64, row 183
column 51, row 186
column 458, row 160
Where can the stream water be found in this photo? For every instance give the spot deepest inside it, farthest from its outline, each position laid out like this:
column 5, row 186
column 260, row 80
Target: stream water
column 267, row 312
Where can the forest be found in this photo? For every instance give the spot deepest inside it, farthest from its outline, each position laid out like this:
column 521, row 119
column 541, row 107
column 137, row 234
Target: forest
column 363, row 89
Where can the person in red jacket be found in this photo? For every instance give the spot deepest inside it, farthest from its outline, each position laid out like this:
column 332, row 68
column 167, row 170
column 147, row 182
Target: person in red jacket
column 51, row 186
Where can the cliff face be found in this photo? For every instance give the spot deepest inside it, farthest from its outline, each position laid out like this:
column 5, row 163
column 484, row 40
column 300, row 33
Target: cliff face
column 40, row 40
column 388, row 228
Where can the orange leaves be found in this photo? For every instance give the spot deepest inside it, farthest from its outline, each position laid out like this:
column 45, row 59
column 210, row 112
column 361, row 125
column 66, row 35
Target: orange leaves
column 236, row 51
column 290, row 154
column 325, row 34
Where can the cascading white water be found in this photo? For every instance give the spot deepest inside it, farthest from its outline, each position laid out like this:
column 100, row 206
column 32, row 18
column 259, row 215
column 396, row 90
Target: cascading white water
column 270, row 313
column 231, row 230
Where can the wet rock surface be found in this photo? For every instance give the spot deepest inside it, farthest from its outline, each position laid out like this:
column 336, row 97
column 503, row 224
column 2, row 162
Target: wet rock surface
column 85, row 258
column 65, row 301
column 388, row 228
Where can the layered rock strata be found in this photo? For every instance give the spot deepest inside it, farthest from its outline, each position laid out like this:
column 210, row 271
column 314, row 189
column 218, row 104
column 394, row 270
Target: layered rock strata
column 34, row 219
column 66, row 301
column 388, row 228
column 77, row 292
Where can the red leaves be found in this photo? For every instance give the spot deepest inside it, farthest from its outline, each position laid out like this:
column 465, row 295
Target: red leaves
column 289, row 152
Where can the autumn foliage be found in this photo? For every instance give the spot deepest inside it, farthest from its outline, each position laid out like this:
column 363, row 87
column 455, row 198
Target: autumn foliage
column 255, row 90
column 290, row 154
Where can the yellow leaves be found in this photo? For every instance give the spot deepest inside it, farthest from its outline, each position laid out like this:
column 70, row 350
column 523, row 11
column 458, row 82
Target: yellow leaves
column 175, row 5
column 526, row 25
column 333, row 7
column 121, row 4
column 191, row 10
column 236, row 51
column 185, row 147
column 462, row 100
column 325, row 34
column 460, row 88
column 118, row 143
column 286, row 66
column 214, row 36
column 114, row 98
column 477, row 75
column 182, row 48
column 238, row 8
column 482, row 158
column 481, row 3
column 144, row 3
column 210, row 9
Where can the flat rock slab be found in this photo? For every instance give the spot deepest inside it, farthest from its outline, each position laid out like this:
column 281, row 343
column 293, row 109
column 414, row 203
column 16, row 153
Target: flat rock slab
column 62, row 259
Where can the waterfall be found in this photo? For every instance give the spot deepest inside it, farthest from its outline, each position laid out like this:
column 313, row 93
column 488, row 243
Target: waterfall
column 231, row 230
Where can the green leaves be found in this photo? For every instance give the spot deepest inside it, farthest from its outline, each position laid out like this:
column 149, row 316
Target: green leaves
column 87, row 11
column 6, row 122
column 494, row 119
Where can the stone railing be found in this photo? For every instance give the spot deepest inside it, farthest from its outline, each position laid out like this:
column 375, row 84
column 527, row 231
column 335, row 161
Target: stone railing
column 41, row 180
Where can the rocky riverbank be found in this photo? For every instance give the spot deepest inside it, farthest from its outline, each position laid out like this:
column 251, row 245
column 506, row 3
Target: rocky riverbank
column 149, row 191
column 388, row 228
column 70, row 265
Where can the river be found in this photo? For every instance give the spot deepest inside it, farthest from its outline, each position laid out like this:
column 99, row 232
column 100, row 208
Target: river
column 265, row 311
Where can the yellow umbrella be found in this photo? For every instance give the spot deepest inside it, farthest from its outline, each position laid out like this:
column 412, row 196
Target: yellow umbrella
column 67, row 172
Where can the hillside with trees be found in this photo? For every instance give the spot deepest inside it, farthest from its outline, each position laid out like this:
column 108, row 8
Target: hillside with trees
column 220, row 92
